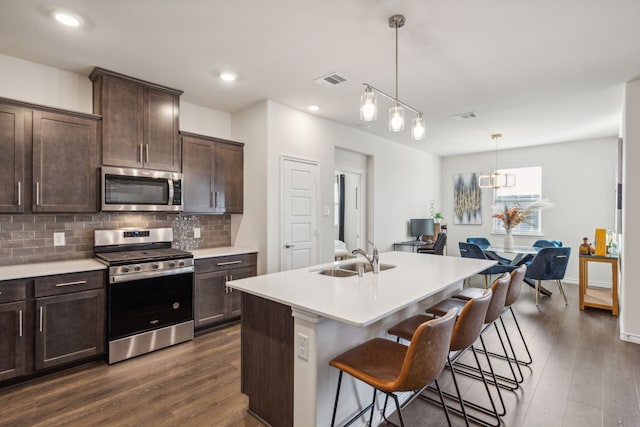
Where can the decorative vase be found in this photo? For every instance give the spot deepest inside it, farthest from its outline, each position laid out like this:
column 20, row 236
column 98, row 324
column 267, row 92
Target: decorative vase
column 508, row 240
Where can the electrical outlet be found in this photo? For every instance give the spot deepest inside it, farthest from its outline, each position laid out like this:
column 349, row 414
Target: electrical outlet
column 303, row 346
column 196, row 233
column 58, row 239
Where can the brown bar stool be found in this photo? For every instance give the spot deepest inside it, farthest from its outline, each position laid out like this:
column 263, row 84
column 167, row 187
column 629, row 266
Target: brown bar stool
column 392, row 367
column 515, row 286
column 468, row 326
column 499, row 288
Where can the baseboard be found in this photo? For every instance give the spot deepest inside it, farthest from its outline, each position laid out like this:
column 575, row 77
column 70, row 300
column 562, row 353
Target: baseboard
column 630, row 337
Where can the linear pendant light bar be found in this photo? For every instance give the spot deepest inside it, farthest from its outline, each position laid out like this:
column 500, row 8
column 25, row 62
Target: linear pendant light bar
column 368, row 99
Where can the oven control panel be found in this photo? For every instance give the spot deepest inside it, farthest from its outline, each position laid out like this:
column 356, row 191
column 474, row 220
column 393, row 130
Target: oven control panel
column 129, row 272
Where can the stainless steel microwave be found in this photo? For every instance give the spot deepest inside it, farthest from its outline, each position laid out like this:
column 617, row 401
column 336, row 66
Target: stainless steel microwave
column 125, row 189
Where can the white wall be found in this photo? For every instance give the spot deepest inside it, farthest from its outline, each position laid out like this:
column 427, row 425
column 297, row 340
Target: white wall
column 578, row 177
column 204, row 121
column 401, row 179
column 40, row 84
column 630, row 291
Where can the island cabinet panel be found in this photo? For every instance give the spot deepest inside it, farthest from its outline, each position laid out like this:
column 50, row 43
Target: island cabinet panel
column 12, row 167
column 140, row 121
column 65, row 161
column 213, row 175
column 13, row 329
column 214, row 302
column 267, row 359
column 70, row 318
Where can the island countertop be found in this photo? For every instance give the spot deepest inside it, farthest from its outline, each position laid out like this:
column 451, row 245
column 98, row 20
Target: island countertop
column 361, row 301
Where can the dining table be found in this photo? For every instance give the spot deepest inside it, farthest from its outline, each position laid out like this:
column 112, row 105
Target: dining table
column 520, row 256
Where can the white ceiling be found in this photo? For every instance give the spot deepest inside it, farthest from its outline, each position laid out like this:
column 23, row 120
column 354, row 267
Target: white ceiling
column 539, row 71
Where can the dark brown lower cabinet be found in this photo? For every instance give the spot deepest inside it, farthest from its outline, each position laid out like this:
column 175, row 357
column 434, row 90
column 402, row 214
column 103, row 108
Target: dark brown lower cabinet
column 70, row 327
column 214, row 301
column 12, row 339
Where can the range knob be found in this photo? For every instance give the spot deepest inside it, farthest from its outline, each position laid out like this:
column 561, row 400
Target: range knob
column 125, row 269
column 155, row 266
column 181, row 264
column 137, row 267
column 172, row 264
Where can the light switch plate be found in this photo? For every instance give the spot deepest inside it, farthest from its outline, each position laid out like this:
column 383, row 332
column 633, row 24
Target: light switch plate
column 302, row 346
column 58, row 239
column 196, row 233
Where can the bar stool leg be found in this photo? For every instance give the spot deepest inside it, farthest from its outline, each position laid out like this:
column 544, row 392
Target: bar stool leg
column 526, row 347
column 335, row 405
column 373, row 404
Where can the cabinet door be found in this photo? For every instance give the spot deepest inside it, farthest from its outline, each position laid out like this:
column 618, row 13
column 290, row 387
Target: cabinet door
column 234, row 303
column 197, row 167
column 12, row 339
column 69, row 327
column 228, row 178
column 12, row 159
column 122, row 122
column 64, row 163
column 209, row 300
column 161, row 141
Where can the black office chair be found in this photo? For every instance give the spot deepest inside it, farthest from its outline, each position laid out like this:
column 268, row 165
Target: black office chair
column 483, row 241
column 549, row 264
column 438, row 246
column 471, row 250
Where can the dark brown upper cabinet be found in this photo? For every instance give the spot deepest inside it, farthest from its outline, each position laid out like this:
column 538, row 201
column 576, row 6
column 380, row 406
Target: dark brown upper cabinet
column 139, row 121
column 213, row 175
column 12, row 167
column 49, row 159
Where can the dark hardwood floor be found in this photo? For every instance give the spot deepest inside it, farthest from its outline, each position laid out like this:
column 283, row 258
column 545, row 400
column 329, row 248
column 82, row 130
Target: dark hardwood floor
column 582, row 375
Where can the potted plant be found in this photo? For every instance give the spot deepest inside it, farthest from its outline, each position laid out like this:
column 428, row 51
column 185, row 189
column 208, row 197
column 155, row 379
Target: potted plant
column 437, row 217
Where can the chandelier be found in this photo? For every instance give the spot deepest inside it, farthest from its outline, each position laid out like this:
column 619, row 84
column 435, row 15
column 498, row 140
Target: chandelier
column 369, row 102
column 496, row 179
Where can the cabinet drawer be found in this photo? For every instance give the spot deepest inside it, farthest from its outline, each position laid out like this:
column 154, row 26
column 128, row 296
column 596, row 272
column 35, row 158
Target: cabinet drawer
column 66, row 283
column 225, row 262
column 12, row 290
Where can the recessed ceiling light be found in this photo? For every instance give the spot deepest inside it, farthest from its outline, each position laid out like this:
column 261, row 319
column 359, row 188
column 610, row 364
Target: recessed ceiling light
column 67, row 18
column 228, row 76
column 313, row 108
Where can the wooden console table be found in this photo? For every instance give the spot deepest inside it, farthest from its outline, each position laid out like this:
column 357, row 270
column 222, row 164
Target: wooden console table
column 599, row 297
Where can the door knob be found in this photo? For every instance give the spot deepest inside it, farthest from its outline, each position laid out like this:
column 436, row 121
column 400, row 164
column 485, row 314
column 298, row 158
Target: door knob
column 288, row 246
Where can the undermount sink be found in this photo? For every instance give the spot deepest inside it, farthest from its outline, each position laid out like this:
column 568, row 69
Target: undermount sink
column 336, row 272
column 353, row 266
column 351, row 269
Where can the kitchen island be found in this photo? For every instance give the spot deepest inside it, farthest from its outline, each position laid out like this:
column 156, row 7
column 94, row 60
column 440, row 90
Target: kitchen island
column 294, row 322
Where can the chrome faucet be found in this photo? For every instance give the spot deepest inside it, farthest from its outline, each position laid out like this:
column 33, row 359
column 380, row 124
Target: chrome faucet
column 374, row 259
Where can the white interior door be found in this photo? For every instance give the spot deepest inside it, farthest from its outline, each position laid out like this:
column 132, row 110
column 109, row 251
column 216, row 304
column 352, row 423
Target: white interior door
column 299, row 213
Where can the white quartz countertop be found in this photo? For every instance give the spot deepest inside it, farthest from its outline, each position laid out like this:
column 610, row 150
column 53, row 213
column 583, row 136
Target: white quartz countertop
column 221, row 251
column 361, row 301
column 49, row 268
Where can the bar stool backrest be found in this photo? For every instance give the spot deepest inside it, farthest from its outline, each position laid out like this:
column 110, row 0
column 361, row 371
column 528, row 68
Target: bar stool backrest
column 515, row 285
column 427, row 353
column 500, row 287
column 470, row 321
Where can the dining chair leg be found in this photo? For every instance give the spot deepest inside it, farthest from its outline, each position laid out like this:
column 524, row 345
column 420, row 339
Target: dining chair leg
column 486, row 281
column 562, row 292
column 537, row 291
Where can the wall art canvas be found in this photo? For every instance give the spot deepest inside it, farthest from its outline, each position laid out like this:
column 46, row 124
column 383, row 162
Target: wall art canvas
column 467, row 199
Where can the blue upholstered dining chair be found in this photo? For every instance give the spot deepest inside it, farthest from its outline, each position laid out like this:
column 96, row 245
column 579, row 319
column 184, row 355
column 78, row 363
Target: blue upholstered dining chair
column 547, row 244
column 549, row 264
column 472, row 250
column 483, row 241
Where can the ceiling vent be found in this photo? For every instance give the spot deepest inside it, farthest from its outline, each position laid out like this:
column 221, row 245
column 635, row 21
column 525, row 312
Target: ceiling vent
column 465, row 116
column 331, row 80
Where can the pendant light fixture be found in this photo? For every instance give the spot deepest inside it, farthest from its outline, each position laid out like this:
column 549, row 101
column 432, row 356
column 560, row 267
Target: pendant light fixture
column 368, row 100
column 496, row 179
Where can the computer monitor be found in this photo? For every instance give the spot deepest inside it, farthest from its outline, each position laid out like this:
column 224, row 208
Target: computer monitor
column 421, row 227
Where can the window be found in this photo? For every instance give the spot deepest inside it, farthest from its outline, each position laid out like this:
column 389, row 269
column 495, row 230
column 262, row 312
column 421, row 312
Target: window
column 528, row 189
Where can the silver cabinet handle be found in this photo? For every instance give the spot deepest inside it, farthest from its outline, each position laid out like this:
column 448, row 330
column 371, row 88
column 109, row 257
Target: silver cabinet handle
column 215, row 199
column 228, row 263
column 170, row 182
column 19, row 193
column 37, row 193
column 140, row 159
column 211, row 199
column 147, row 152
column 20, row 321
column 289, row 246
column 78, row 282
column 40, row 318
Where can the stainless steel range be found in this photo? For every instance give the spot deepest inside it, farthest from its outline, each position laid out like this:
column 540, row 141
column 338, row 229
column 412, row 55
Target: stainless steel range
column 150, row 291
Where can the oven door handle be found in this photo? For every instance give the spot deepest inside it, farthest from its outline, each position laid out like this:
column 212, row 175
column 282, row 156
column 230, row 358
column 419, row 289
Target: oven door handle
column 149, row 275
